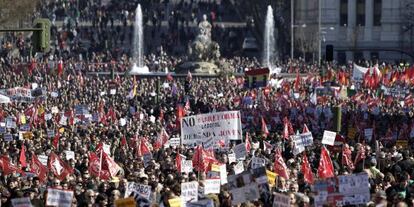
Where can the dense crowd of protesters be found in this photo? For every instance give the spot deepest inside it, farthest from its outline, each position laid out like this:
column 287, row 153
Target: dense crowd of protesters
column 124, row 111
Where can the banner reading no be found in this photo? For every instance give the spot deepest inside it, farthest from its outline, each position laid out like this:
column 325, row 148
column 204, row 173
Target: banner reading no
column 220, row 125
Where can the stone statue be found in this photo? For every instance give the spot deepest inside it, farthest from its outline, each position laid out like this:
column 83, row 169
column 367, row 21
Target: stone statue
column 203, row 48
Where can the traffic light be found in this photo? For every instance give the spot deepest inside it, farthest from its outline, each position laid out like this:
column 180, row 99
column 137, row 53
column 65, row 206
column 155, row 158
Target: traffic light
column 41, row 36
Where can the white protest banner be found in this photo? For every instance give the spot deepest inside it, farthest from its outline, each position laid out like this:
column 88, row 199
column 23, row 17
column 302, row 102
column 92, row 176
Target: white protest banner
column 221, row 125
column 239, row 168
column 43, row 159
column 231, row 158
column 247, row 193
column 368, row 134
column 240, row 151
column 209, row 143
column 174, row 142
column 69, row 154
column 189, row 191
column 211, row 186
column 281, row 200
column 61, row 198
column 258, row 162
column 298, row 145
column 21, row 202
column 18, row 94
column 328, row 137
column 186, row 166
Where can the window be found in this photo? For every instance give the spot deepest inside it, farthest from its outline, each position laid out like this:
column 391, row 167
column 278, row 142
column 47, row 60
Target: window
column 358, row 56
column 360, row 18
column 377, row 12
column 341, row 57
column 343, row 13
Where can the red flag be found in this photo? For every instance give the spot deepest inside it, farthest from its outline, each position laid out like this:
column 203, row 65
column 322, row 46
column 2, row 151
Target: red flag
column 267, row 146
column 307, row 170
column 287, row 128
column 123, row 141
column 297, row 81
column 325, row 169
column 203, row 158
column 22, row 158
column 264, row 128
column 95, row 167
column 169, row 77
column 161, row 140
column 347, row 157
column 180, row 113
column 38, row 168
column 178, row 159
column 280, row 166
column 109, row 164
column 8, row 167
column 305, row 128
column 248, row 145
column 60, row 68
column 55, row 141
column 59, row 168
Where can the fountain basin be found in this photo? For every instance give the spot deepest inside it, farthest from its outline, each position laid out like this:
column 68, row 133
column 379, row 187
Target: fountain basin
column 136, row 70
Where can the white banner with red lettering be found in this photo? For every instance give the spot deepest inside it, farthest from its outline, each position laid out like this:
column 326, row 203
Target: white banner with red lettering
column 221, row 125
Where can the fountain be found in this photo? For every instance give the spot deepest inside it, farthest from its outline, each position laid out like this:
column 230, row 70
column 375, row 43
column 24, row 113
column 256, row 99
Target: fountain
column 269, row 40
column 138, row 52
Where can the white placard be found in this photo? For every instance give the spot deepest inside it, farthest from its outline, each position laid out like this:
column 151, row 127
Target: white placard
column 258, row 162
column 231, row 158
column 112, row 91
column 61, row 198
column 239, row 168
column 21, row 202
column 141, row 190
column 122, row 122
column 211, row 186
column 221, row 125
column 328, row 137
column 281, row 200
column 247, row 193
column 174, row 142
column 240, row 151
column 223, row 174
column 306, row 139
column 189, row 191
column 69, row 154
column 186, row 166
column 43, row 159
column 200, row 203
column 107, row 149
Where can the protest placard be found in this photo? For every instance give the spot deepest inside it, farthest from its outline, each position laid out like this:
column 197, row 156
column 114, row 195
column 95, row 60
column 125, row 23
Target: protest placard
column 240, row 180
column 8, row 137
column 125, row 202
column 249, row 192
column 142, row 190
column 281, row 200
column 328, row 137
column 257, row 162
column 21, row 202
column 43, row 159
column 176, row 202
column 2, row 130
column 240, row 151
column 231, row 158
column 221, row 125
column 402, row 143
column 174, row 142
column 223, row 174
column 211, row 186
column 69, row 154
column 368, row 134
column 61, row 198
column 10, row 123
column 239, row 168
column 189, row 191
column 107, row 149
column 306, row 139
column 186, row 166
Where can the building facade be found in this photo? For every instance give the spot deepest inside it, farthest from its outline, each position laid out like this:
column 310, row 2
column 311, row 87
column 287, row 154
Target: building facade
column 357, row 29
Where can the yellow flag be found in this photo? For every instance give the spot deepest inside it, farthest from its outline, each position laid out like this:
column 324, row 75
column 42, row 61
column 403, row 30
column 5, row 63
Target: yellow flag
column 271, row 177
column 125, row 202
column 23, row 119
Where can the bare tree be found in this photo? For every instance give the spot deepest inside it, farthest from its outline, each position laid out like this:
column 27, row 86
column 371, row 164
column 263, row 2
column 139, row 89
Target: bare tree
column 13, row 12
